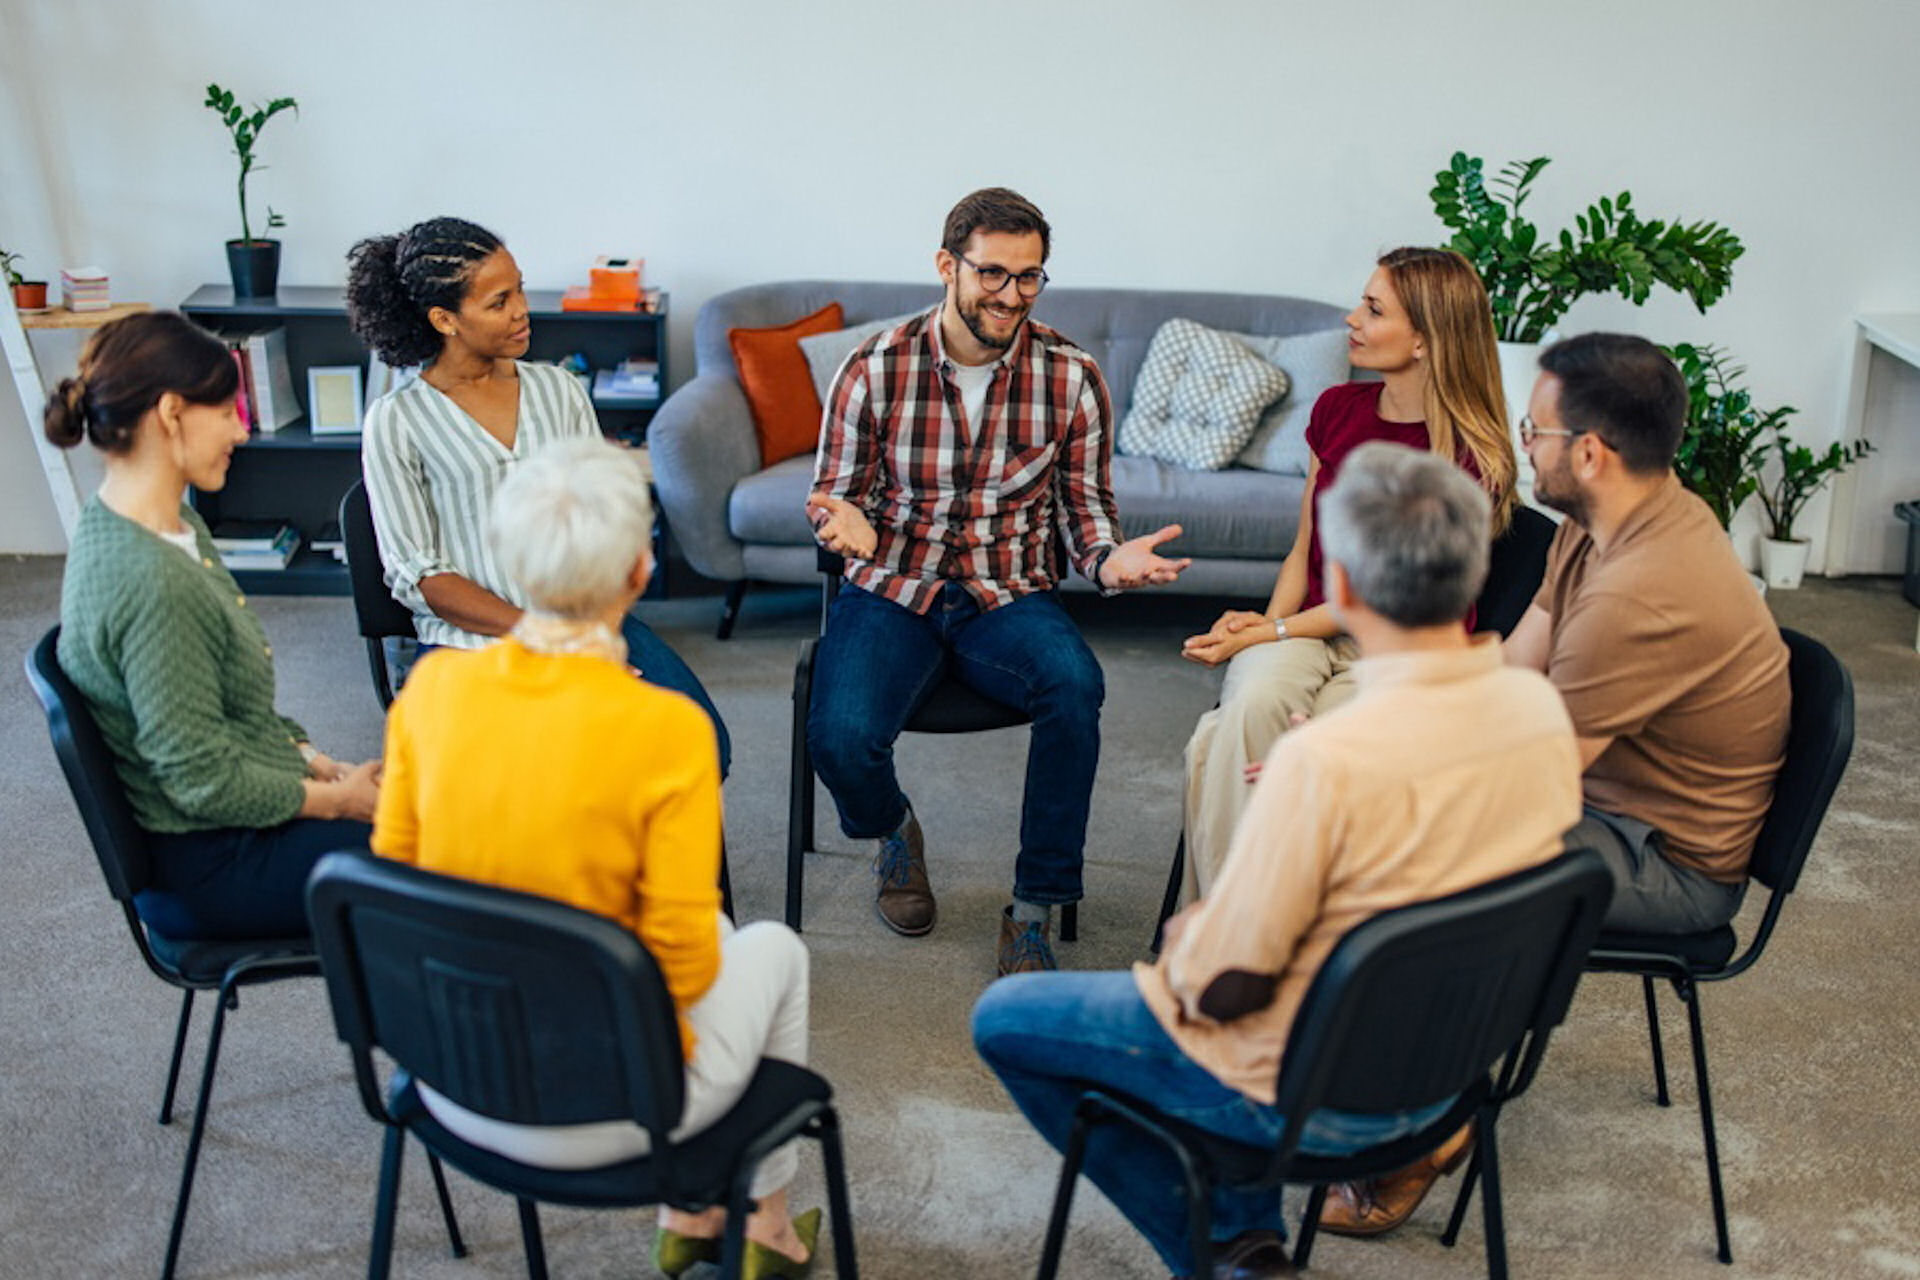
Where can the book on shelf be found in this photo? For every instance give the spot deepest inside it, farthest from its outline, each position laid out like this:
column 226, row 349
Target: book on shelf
column 277, row 554
column 85, row 289
column 630, row 380
column 580, row 297
column 274, row 404
column 250, row 535
column 329, row 542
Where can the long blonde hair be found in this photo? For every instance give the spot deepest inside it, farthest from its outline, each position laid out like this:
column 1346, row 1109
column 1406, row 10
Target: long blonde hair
column 1466, row 409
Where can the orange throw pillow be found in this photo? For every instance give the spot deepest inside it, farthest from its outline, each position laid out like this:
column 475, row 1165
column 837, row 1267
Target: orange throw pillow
column 773, row 371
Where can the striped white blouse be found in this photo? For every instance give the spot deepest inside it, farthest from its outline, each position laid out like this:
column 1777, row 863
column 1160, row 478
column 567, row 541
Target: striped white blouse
column 431, row 475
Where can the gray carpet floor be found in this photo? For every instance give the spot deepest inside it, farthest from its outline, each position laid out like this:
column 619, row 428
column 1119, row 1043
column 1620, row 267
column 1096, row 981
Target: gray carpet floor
column 1813, row 1052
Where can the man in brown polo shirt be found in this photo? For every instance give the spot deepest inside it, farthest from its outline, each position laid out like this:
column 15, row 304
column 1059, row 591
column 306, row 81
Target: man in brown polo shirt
column 1671, row 668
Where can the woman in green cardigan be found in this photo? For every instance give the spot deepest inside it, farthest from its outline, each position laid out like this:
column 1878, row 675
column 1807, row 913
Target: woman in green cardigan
column 237, row 804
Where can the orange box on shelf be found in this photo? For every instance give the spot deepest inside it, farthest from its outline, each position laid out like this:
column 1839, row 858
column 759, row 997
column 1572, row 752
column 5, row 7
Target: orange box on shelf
column 615, row 278
column 581, row 298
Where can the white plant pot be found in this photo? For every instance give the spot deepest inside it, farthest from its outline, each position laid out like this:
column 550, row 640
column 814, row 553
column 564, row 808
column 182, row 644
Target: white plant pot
column 1784, row 563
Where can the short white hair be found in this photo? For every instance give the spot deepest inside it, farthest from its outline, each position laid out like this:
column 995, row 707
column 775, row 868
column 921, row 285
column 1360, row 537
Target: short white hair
column 570, row 523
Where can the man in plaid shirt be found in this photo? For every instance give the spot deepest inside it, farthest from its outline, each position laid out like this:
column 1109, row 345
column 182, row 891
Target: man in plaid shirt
column 959, row 450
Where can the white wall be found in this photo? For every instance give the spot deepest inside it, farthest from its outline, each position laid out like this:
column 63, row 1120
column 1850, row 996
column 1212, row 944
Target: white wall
column 1217, row 144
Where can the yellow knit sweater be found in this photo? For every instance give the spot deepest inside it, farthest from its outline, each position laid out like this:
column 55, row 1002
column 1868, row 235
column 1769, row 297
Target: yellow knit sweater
column 563, row 775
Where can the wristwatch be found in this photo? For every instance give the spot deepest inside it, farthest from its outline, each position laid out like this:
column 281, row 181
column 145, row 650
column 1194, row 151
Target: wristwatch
column 1279, row 628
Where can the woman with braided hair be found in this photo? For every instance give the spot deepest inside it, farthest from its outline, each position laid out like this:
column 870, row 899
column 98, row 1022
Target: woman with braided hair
column 446, row 296
column 236, row 803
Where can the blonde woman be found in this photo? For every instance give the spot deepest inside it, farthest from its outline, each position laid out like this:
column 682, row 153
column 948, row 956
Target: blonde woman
column 1425, row 326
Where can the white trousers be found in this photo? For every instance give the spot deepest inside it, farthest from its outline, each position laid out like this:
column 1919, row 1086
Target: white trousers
column 1265, row 687
column 756, row 1008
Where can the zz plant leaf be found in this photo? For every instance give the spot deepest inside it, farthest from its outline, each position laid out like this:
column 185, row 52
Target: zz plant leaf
column 245, row 127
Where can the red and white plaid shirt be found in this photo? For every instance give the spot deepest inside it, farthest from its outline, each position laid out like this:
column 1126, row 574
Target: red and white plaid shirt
column 981, row 504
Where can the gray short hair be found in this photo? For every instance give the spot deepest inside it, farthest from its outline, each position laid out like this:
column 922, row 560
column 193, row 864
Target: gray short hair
column 1411, row 530
column 570, row 522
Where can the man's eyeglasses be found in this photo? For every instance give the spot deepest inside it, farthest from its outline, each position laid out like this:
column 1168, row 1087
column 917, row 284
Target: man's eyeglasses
column 1529, row 433
column 994, row 279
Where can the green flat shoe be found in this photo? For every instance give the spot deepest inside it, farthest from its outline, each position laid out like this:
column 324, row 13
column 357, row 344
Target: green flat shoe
column 762, row 1263
column 674, row 1253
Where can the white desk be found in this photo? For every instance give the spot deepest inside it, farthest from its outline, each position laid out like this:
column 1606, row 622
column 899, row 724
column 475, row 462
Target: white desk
column 1899, row 336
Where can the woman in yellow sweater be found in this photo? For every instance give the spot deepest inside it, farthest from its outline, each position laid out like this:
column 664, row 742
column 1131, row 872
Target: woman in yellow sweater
column 540, row 764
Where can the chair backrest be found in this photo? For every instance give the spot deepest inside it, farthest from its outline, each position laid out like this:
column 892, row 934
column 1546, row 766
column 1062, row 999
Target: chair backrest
column 516, row 1006
column 1819, row 742
column 1417, row 1004
column 88, row 763
column 1515, row 569
column 374, row 607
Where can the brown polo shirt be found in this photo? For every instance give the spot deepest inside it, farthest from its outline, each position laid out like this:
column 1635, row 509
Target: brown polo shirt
column 1662, row 643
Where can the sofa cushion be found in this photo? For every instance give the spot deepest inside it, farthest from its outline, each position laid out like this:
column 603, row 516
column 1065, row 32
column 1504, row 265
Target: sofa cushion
column 773, row 372
column 770, row 505
column 1313, row 362
column 1198, row 397
column 1236, row 512
column 826, row 352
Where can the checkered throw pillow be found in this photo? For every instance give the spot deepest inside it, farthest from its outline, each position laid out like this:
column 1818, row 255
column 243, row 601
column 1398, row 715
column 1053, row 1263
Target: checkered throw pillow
column 1198, row 398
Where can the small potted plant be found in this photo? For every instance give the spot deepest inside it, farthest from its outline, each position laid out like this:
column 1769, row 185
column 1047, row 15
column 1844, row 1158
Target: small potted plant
column 28, row 295
column 1800, row 473
column 254, row 263
column 1724, row 445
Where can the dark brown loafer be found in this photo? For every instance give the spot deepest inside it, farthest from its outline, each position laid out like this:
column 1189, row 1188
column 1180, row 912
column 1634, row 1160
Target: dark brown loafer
column 1253, row 1255
column 1378, row 1205
column 904, row 897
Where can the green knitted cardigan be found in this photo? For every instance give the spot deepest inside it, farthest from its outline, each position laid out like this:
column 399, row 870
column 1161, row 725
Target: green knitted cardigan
column 179, row 674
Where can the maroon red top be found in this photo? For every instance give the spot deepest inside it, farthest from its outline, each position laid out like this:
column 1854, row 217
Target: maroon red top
column 1344, row 418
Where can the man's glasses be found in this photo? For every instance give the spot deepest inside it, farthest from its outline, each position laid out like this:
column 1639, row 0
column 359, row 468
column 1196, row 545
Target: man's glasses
column 1529, row 433
column 994, row 279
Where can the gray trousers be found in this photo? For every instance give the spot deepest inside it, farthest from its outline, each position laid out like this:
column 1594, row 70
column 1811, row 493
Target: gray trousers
column 1651, row 892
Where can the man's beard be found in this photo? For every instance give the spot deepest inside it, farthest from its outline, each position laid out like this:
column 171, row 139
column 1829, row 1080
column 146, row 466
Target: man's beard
column 1559, row 490
column 972, row 316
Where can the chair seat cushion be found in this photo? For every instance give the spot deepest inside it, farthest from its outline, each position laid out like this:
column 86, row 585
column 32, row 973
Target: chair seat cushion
column 201, row 963
column 1619, row 952
column 770, row 506
column 779, row 1100
column 1235, row 512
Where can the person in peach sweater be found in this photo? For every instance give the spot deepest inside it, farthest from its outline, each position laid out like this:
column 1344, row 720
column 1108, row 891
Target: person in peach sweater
column 540, row 764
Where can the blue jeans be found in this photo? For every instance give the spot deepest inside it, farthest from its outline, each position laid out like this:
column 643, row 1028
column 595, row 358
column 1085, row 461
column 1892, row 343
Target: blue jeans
column 878, row 661
column 240, row 882
column 1051, row 1036
column 660, row 665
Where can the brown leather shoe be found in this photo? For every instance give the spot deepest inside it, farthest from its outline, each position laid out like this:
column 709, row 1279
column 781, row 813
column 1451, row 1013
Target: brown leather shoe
column 1378, row 1205
column 1024, row 948
column 904, row 898
column 1253, row 1255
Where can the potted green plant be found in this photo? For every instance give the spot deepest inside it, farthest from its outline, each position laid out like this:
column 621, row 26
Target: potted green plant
column 254, row 263
column 28, row 295
column 1799, row 473
column 1724, row 445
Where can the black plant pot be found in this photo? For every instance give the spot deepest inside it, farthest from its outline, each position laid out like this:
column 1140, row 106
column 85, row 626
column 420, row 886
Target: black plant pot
column 255, row 267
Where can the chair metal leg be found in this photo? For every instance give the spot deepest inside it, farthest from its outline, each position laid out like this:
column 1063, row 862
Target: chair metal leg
column 827, row 1129
column 1172, row 895
column 799, row 787
column 381, row 672
column 221, row 1004
column 726, row 880
column 1070, row 922
column 1487, row 1151
column 179, row 1050
column 530, row 1237
column 455, row 1243
column 1653, row 1034
column 386, row 1202
column 1309, row 1225
column 1691, row 994
column 1458, row 1217
column 730, row 612
column 733, row 1237
column 1063, row 1197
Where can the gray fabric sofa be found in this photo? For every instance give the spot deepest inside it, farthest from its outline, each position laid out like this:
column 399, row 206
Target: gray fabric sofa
column 737, row 522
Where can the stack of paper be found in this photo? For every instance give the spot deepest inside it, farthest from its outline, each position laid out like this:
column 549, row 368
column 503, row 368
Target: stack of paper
column 84, row 289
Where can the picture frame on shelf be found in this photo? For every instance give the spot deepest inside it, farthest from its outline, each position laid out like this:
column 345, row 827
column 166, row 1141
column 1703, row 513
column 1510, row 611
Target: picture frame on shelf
column 334, row 400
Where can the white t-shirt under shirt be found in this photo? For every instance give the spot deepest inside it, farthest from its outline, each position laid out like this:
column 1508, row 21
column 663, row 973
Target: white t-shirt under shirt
column 973, row 381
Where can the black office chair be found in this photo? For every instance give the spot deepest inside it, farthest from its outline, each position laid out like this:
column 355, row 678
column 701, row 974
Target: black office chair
column 121, row 848
column 379, row 615
column 535, row 1012
column 1819, row 741
column 950, row 707
column 1516, row 565
column 1454, row 996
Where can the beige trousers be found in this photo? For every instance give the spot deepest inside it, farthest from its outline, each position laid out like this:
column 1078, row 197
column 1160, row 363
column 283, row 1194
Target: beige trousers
column 1265, row 687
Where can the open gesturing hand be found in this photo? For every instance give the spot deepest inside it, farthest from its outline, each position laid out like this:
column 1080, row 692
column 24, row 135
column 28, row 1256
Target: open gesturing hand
column 1138, row 562
column 841, row 527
